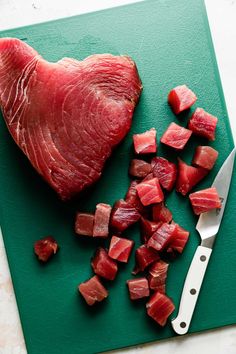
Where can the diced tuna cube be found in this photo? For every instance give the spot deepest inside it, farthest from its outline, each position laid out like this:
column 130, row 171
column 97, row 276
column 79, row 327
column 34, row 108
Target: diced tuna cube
column 205, row 156
column 84, row 224
column 45, row 248
column 138, row 288
column 165, row 171
column 150, row 192
column 157, row 276
column 181, row 98
column 205, row 200
column 203, row 124
column 139, row 168
column 123, row 215
column 103, row 265
column 120, row 248
column 92, row 290
column 162, row 237
column 188, row 177
column 148, row 228
column 144, row 256
column 161, row 213
column 101, row 220
column 148, row 177
column 133, row 199
column 145, row 143
column 176, row 136
column 178, row 242
column 160, row 307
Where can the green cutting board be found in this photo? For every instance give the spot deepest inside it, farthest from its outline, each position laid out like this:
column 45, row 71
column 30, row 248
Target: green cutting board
column 170, row 42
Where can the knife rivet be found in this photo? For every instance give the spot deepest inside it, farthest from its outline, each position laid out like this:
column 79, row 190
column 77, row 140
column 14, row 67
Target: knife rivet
column 203, row 258
column 182, row 324
column 193, row 291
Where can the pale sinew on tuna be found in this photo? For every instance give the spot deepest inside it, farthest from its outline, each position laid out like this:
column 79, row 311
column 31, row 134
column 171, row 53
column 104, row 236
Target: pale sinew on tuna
column 69, row 115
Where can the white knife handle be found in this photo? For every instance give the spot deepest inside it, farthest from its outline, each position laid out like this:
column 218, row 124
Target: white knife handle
column 191, row 289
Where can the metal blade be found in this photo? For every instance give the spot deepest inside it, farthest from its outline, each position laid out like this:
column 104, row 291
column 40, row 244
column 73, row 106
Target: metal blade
column 209, row 223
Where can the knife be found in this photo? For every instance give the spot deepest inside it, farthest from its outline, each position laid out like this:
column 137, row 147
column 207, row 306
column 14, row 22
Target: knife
column 208, row 226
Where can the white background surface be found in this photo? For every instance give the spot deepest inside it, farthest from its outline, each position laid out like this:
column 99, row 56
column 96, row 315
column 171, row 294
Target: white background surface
column 222, row 17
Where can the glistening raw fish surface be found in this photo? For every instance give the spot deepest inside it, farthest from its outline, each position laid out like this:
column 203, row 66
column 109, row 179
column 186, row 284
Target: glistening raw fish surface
column 66, row 116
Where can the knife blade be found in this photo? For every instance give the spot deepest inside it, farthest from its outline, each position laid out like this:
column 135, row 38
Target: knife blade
column 208, row 226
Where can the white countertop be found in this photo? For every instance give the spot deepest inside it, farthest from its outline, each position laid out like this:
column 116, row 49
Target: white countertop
column 222, row 17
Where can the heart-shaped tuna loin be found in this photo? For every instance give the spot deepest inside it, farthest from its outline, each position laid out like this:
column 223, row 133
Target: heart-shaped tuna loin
column 66, row 116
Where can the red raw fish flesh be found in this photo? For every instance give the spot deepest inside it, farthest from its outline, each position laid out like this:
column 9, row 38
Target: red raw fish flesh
column 148, row 228
column 162, row 237
column 132, row 198
column 165, row 171
column 144, row 256
column 150, row 192
column 120, row 248
column 178, row 242
column 176, row 136
column 139, row 168
column 157, row 276
column 203, row 124
column 181, row 98
column 103, row 265
column 205, row 200
column 66, row 116
column 123, row 215
column 138, row 288
column 145, row 143
column 93, row 291
column 84, row 224
column 161, row 213
column 101, row 220
column 160, row 307
column 205, row 156
column 45, row 248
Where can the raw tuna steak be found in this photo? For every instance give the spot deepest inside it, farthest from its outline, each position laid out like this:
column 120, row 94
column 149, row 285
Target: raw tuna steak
column 162, row 237
column 205, row 200
column 120, row 248
column 157, row 276
column 66, row 116
column 138, row 288
column 103, row 265
column 139, row 168
column 205, row 156
column 150, row 192
column 161, row 213
column 101, row 220
column 160, row 307
column 176, row 136
column 145, row 143
column 203, row 124
column 165, row 171
column 181, row 98
column 144, row 256
column 92, row 290
column 45, row 248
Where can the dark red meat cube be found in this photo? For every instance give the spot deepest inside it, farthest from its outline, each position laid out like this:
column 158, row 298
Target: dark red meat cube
column 176, row 136
column 205, row 156
column 148, row 177
column 92, row 290
column 144, row 256
column 188, row 177
column 165, row 171
column 150, row 192
column 101, row 220
column 181, row 98
column 45, row 248
column 123, row 215
column 133, row 199
column 161, row 213
column 103, row 265
column 205, row 200
column 145, row 143
column 162, row 237
column 203, row 124
column 148, row 228
column 160, row 307
column 178, row 242
column 120, row 248
column 138, row 288
column 139, row 168
column 84, row 224
column 157, row 276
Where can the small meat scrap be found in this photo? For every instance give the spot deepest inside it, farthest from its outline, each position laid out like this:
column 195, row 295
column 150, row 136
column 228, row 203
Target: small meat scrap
column 162, row 237
column 178, row 242
column 157, row 276
column 103, row 265
column 93, row 291
column 203, row 124
column 120, row 248
column 139, row 168
column 161, row 213
column 176, row 136
column 181, row 98
column 84, row 224
column 144, row 256
column 45, row 248
column 160, row 307
column 205, row 157
column 101, row 220
column 138, row 288
column 165, row 171
column 188, row 177
column 148, row 228
column 150, row 192
column 145, row 143
column 123, row 215
column 205, row 200
column 132, row 198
